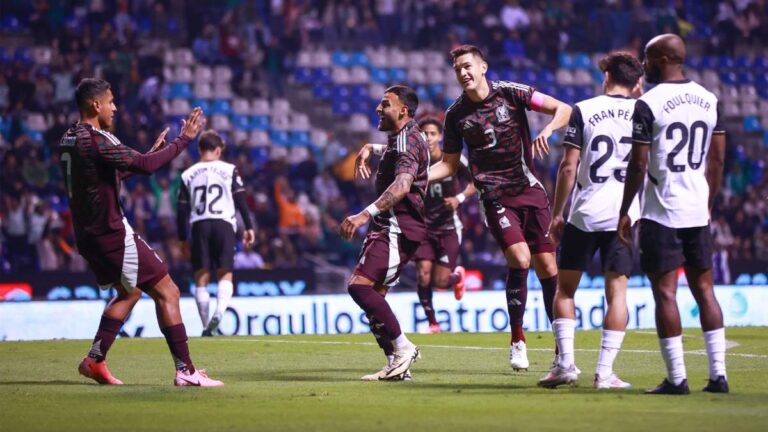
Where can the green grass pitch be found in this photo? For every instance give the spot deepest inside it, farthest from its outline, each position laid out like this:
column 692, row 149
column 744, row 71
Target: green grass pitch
column 307, row 383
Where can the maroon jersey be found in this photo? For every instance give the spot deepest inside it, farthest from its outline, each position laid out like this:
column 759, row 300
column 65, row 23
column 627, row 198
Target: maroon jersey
column 438, row 216
column 406, row 152
column 93, row 161
column 497, row 136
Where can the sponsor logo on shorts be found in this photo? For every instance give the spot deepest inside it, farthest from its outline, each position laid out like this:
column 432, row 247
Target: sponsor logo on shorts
column 444, row 259
column 504, row 222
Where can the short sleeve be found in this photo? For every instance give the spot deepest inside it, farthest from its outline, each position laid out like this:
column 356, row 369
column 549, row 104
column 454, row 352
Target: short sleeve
column 407, row 161
column 452, row 139
column 574, row 133
column 642, row 124
column 519, row 95
column 719, row 127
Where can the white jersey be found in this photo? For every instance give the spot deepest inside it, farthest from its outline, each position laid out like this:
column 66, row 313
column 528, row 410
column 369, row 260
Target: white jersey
column 210, row 187
column 677, row 119
column 601, row 128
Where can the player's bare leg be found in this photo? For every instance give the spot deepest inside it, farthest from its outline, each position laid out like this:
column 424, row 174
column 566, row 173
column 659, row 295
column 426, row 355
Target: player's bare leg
column 202, row 297
column 700, row 282
column 564, row 369
column 519, row 261
column 165, row 293
column 614, row 329
column 223, row 297
column 94, row 365
column 424, row 290
column 669, row 330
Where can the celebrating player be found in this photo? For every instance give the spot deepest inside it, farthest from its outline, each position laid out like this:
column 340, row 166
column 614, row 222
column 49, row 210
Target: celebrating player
column 93, row 161
column 597, row 143
column 490, row 118
column 210, row 192
column 679, row 140
column 397, row 226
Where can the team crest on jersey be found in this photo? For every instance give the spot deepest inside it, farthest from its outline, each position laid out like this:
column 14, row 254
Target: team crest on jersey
column 502, row 113
column 467, row 125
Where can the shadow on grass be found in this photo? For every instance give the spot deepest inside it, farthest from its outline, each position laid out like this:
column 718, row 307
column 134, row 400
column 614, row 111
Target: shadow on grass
column 51, row 382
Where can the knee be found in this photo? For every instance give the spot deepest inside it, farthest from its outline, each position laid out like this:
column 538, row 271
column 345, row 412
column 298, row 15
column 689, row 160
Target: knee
column 441, row 281
column 170, row 294
column 423, row 277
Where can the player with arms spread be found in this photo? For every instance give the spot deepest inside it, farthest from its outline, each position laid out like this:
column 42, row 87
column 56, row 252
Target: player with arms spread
column 490, row 118
column 94, row 162
column 397, row 226
column 211, row 192
column 598, row 141
column 679, row 142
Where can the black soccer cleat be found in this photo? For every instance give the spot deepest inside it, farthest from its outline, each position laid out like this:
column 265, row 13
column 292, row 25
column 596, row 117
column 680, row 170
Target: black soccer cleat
column 720, row 385
column 668, row 388
column 207, row 333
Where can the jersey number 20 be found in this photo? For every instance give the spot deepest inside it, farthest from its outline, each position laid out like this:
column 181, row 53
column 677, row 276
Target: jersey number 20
column 687, row 136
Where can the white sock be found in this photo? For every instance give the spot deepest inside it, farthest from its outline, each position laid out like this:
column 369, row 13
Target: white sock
column 223, row 296
column 401, row 342
column 715, row 343
column 565, row 331
column 672, row 351
column 389, row 359
column 202, row 298
column 610, row 344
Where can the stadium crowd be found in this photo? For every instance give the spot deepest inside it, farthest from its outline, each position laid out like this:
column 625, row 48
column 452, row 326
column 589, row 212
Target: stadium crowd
column 297, row 204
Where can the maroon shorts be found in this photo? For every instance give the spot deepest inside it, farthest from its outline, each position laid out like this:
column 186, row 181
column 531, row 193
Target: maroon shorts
column 384, row 256
column 520, row 218
column 441, row 247
column 135, row 264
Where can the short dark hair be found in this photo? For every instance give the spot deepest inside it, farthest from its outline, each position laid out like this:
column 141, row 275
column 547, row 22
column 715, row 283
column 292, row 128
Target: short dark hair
column 88, row 89
column 407, row 96
column 625, row 69
column 431, row 120
column 210, row 141
column 467, row 49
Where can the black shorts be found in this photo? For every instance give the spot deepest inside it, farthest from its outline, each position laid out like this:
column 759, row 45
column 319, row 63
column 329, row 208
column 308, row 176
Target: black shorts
column 664, row 249
column 213, row 245
column 577, row 248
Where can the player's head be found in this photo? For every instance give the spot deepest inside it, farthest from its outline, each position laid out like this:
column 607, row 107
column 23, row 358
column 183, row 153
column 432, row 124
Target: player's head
column 621, row 69
column 397, row 106
column 663, row 55
column 433, row 129
column 211, row 145
column 470, row 66
column 94, row 99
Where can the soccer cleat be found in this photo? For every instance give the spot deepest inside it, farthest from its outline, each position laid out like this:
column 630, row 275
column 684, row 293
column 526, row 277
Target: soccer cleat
column 612, row 381
column 558, row 376
column 402, row 362
column 97, row 371
column 434, row 328
column 212, row 326
column 518, row 356
column 376, row 376
column 720, row 385
column 668, row 388
column 197, row 379
column 458, row 288
column 406, row 376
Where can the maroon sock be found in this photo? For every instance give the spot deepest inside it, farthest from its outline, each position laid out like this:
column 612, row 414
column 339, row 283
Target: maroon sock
column 517, row 295
column 548, row 287
column 425, row 297
column 176, row 336
column 105, row 336
column 374, row 305
column 382, row 339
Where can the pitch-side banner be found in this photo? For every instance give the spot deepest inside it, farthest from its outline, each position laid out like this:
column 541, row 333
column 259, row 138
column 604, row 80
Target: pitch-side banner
column 482, row 311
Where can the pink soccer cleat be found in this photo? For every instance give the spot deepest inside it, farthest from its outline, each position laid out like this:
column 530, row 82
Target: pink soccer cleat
column 458, row 289
column 434, row 328
column 97, row 371
column 197, row 379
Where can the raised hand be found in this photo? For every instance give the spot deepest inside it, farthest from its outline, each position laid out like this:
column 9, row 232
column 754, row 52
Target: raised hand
column 193, row 124
column 160, row 141
column 362, row 169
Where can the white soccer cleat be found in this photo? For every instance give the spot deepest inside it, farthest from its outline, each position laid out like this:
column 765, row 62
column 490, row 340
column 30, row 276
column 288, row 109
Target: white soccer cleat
column 518, row 356
column 376, row 376
column 612, row 381
column 558, row 376
column 402, row 361
column 197, row 379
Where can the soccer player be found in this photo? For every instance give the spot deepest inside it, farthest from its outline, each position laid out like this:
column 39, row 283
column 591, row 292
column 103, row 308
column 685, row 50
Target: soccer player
column 490, row 118
column 597, row 144
column 397, row 225
column 211, row 192
column 679, row 141
column 93, row 162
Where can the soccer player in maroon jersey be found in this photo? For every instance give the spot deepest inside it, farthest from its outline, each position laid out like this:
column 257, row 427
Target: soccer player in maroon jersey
column 490, row 118
column 397, row 226
column 94, row 162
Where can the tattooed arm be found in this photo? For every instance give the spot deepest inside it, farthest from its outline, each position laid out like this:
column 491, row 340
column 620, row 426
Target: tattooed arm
column 394, row 193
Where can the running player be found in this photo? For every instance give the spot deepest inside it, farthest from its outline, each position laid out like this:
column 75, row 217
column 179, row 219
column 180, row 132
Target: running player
column 397, row 225
column 597, row 144
column 678, row 139
column 490, row 118
column 93, row 161
column 210, row 193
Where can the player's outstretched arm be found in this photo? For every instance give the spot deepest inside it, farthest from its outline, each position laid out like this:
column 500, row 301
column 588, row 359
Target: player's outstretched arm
column 394, row 193
column 638, row 164
column 715, row 163
column 566, row 178
column 446, row 167
column 560, row 112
